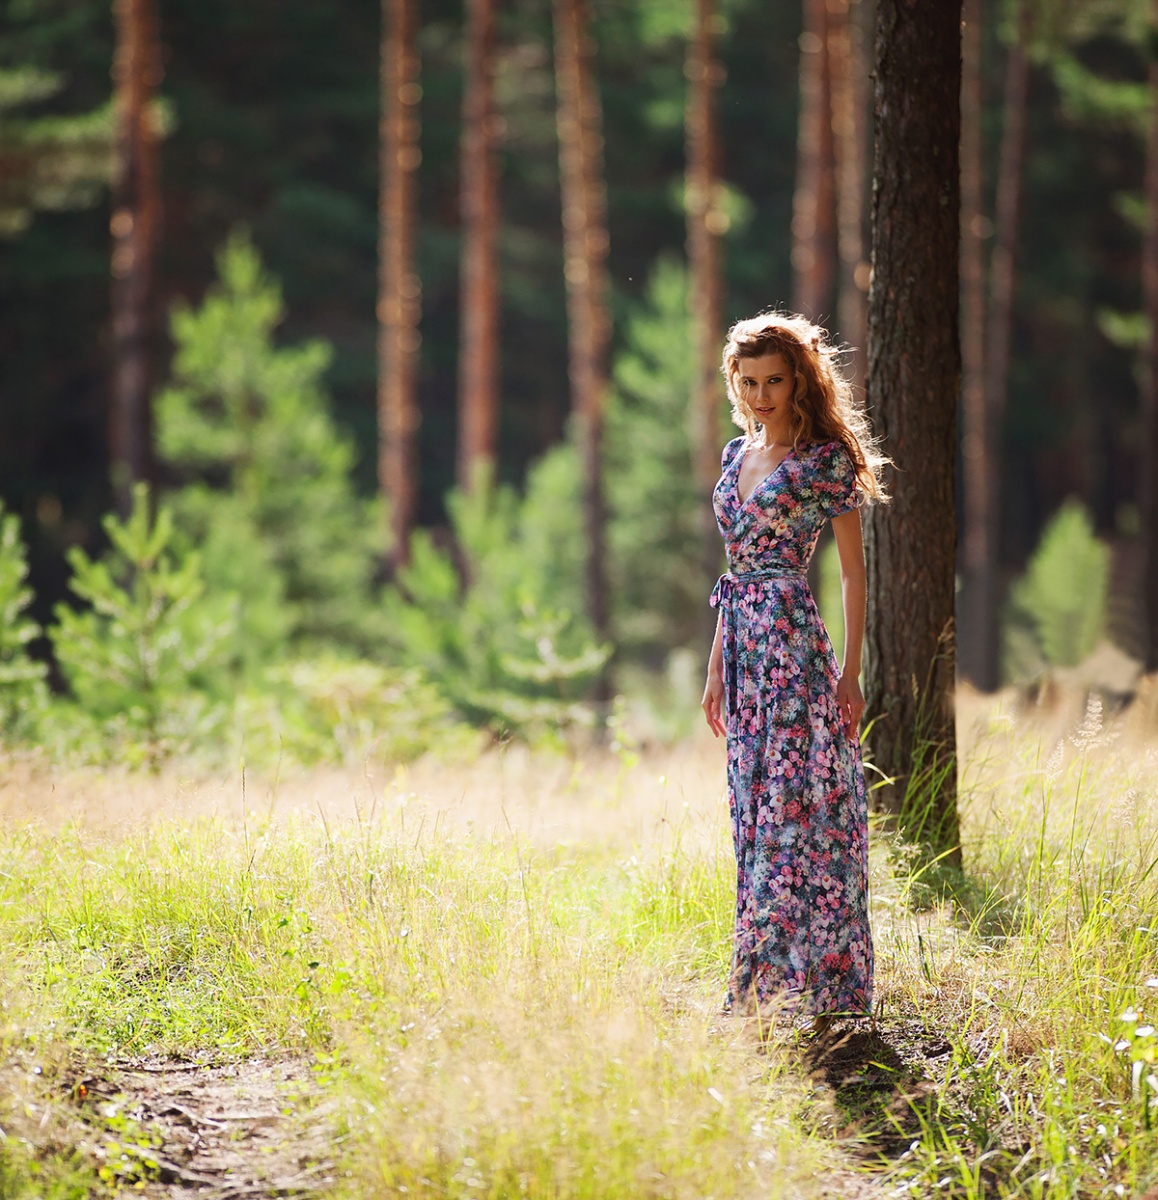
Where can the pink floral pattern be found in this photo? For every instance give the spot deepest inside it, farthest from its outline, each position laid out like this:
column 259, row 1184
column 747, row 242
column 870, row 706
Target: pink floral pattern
column 795, row 781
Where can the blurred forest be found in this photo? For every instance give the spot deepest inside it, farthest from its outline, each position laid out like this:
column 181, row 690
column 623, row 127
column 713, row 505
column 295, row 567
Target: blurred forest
column 267, row 118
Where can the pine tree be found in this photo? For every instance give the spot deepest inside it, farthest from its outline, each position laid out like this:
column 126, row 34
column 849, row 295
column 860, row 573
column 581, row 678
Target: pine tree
column 705, row 280
column 478, row 367
column 1148, row 458
column 267, row 493
column 914, row 375
column 145, row 659
column 814, row 201
column 585, row 246
column 399, row 288
column 22, row 689
column 135, row 226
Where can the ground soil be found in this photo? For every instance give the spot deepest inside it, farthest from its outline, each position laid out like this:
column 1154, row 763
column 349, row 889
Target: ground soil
column 235, row 1131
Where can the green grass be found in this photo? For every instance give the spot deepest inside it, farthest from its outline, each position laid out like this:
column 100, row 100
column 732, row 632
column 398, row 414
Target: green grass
column 509, row 974
column 509, row 1019
column 1042, row 973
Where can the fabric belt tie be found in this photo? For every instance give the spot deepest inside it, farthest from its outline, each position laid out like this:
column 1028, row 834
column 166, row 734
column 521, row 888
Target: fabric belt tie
column 722, row 598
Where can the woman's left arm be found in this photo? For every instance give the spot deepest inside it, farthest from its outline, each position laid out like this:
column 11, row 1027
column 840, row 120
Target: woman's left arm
column 850, row 550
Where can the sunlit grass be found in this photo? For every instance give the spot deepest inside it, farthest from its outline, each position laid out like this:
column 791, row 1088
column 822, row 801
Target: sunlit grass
column 1054, row 937
column 515, row 1010
column 511, row 971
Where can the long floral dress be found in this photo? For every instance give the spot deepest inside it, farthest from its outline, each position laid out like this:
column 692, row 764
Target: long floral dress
column 795, row 782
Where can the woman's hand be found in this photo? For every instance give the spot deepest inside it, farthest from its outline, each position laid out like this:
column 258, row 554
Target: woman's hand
column 713, row 703
column 851, row 703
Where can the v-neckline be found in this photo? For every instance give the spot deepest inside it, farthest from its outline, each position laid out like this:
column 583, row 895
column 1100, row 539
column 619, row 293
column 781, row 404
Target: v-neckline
column 743, row 500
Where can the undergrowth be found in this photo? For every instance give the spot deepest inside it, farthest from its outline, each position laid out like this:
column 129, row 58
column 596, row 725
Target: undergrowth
column 511, row 975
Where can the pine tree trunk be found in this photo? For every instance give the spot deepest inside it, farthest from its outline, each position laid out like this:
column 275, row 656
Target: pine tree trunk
column 814, row 201
column 478, row 379
column 399, row 289
column 1148, row 458
column 704, row 224
column 914, row 374
column 979, row 635
column 998, row 335
column 585, row 245
column 135, row 226
column 849, row 75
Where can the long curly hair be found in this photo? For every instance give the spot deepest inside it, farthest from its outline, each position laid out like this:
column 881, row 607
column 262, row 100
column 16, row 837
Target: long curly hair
column 823, row 408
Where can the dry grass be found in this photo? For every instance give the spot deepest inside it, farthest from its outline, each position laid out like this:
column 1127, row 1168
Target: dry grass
column 511, row 969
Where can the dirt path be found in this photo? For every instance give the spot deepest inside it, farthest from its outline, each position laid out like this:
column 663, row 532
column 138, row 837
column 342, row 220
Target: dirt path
column 251, row 1129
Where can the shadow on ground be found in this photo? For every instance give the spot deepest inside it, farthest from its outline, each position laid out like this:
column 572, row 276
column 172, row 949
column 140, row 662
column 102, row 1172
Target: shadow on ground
column 882, row 1080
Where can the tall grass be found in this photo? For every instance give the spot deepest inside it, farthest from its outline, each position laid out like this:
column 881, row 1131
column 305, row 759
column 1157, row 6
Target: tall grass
column 1042, row 971
column 510, row 1014
column 511, row 971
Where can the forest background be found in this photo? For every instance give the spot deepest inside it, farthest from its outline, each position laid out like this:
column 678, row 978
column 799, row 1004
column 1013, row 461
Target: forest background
column 269, row 145
column 500, row 972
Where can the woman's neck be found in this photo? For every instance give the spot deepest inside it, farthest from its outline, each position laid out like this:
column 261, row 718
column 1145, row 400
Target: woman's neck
column 770, row 441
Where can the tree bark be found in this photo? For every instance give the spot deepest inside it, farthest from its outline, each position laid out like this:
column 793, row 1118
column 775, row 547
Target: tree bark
column 814, row 201
column 1148, row 458
column 978, row 597
column 849, row 76
column 135, row 227
column 985, row 610
column 705, row 222
column 914, row 374
column 585, row 244
column 478, row 380
column 399, row 289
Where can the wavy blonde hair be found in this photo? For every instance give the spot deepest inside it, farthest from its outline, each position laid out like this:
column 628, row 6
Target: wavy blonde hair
column 822, row 408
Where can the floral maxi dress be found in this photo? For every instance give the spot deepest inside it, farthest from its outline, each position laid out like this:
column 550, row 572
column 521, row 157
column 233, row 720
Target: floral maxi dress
column 795, row 783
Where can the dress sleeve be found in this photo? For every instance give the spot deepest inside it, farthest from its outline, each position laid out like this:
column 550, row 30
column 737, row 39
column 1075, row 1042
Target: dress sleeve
column 730, row 452
column 835, row 483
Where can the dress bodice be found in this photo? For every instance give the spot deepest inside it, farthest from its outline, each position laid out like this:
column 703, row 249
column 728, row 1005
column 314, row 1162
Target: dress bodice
column 779, row 523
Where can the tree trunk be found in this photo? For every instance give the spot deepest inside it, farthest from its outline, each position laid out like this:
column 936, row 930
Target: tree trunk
column 1148, row 458
column 399, row 289
column 814, row 202
column 849, row 76
column 914, row 374
column 135, row 223
column 998, row 335
column 704, row 225
column 978, row 642
column 478, row 379
column 585, row 245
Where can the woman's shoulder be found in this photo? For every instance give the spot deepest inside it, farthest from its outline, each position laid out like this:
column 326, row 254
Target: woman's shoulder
column 826, row 447
column 731, row 450
column 832, row 454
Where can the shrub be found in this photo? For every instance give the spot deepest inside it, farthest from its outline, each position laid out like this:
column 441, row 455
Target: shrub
column 22, row 689
column 145, row 660
column 335, row 710
column 656, row 509
column 268, row 492
column 509, row 646
column 1057, row 610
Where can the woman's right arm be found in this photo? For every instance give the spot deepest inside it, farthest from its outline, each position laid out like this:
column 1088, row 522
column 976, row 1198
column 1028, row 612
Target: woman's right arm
column 713, row 702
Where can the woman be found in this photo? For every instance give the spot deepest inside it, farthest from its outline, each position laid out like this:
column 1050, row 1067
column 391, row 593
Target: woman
column 790, row 714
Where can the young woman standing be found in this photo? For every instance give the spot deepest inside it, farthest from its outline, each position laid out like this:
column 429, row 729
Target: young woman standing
column 789, row 712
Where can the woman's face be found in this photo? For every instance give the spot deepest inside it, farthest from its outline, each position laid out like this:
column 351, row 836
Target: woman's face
column 765, row 386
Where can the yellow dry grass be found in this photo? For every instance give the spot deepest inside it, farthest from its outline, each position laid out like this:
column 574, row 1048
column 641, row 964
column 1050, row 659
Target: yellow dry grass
column 512, row 968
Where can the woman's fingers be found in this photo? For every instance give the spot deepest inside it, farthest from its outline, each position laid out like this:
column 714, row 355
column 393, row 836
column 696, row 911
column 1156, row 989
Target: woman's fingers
column 711, row 707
